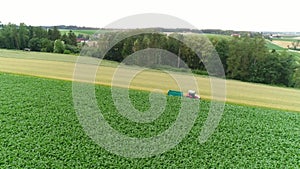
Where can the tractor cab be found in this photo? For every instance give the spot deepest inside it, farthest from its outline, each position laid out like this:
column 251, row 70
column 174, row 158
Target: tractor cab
column 192, row 94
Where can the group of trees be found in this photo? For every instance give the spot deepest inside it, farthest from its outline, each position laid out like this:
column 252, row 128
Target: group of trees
column 250, row 60
column 244, row 58
column 21, row 37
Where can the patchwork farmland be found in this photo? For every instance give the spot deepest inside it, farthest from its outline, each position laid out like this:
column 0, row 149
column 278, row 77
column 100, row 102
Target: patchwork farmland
column 40, row 129
column 59, row 66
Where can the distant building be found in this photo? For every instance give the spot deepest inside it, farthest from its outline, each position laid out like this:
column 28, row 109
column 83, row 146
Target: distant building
column 81, row 40
column 275, row 36
column 236, row 35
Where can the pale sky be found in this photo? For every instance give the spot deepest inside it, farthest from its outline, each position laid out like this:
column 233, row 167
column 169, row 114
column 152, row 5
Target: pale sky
column 252, row 15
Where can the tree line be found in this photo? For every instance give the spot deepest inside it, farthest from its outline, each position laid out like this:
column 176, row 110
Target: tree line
column 245, row 58
column 22, row 37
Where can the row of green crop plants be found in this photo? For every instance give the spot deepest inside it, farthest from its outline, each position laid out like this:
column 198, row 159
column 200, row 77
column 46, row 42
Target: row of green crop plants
column 40, row 129
column 243, row 58
column 34, row 38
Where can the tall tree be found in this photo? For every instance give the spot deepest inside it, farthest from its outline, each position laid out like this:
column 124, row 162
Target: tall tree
column 59, row 46
column 10, row 36
column 244, row 54
column 54, row 34
column 222, row 47
column 72, row 38
column 39, row 32
column 296, row 77
column 23, row 36
column 47, row 45
column 35, row 44
column 65, row 38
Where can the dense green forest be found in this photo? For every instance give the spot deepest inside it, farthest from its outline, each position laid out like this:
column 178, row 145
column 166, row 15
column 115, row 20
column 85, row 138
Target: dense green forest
column 245, row 57
column 25, row 37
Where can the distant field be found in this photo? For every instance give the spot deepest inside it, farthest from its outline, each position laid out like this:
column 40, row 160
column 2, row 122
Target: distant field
column 292, row 38
column 271, row 46
column 218, row 36
column 284, row 39
column 62, row 67
column 283, row 44
column 82, row 31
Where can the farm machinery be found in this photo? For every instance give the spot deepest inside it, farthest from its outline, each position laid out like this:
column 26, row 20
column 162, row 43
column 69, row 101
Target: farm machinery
column 190, row 94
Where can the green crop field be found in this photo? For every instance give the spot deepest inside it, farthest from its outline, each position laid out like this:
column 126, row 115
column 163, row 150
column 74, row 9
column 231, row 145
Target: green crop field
column 287, row 38
column 272, row 46
column 82, row 31
column 284, row 39
column 217, row 36
column 40, row 129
